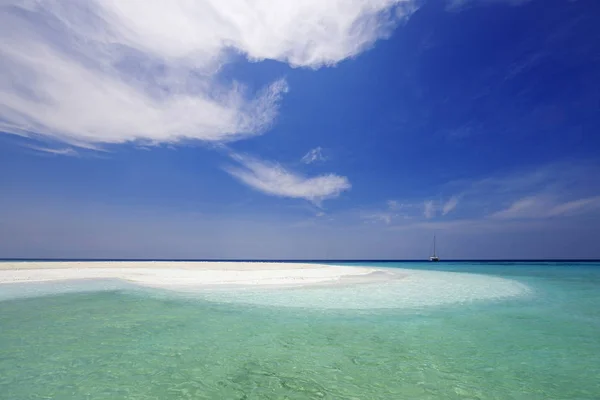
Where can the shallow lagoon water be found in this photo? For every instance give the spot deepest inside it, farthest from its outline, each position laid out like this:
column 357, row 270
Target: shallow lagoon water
column 511, row 331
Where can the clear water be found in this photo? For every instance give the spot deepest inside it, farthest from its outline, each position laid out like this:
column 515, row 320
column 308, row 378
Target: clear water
column 513, row 331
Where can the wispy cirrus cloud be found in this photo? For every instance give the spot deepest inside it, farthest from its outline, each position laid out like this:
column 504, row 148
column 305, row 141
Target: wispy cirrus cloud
column 65, row 151
column 554, row 191
column 273, row 179
column 530, row 207
column 546, row 206
column 394, row 204
column 403, row 212
column 429, row 209
column 108, row 72
column 541, row 191
column 454, row 5
column 313, row 155
column 576, row 206
column 386, row 215
column 450, row 205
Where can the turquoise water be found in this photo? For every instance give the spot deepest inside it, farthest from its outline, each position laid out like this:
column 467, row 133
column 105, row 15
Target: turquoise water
column 536, row 337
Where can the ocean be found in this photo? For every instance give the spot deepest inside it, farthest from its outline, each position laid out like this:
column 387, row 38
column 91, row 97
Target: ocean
column 463, row 330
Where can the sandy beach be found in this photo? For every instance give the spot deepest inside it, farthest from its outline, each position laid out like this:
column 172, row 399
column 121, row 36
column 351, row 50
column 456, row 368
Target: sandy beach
column 186, row 274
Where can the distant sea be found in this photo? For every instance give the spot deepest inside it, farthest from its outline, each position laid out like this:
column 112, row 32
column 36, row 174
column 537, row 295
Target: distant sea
column 451, row 330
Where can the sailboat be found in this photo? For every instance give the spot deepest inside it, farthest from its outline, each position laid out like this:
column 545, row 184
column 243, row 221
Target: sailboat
column 434, row 258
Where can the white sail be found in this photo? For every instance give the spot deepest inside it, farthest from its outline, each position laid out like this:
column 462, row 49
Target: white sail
column 434, row 257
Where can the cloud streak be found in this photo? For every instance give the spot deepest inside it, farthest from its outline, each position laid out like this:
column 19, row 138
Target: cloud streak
column 394, row 211
column 545, row 207
column 429, row 209
column 314, row 155
column 66, row 151
column 109, row 72
column 560, row 190
column 450, row 205
column 454, row 5
column 273, row 179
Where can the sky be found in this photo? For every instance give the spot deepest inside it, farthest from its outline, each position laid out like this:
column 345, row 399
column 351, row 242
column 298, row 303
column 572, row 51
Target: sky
column 309, row 129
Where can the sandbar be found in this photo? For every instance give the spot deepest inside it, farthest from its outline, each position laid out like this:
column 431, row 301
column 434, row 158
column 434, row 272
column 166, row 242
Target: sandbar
column 184, row 274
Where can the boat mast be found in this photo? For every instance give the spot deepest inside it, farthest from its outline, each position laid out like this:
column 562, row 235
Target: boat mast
column 434, row 244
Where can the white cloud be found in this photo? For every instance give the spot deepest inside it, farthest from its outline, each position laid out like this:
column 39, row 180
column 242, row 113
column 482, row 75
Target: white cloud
column 521, row 200
column 576, row 206
column 391, row 213
column 409, row 210
column 393, row 204
column 107, row 71
column 384, row 217
column 396, row 211
column 454, row 5
column 302, row 33
column 544, row 206
column 429, row 209
column 450, row 205
column 555, row 190
column 66, row 151
column 313, row 155
column 273, row 179
column 532, row 193
column 528, row 207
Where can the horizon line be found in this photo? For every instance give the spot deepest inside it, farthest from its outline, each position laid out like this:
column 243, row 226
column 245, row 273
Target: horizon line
column 514, row 260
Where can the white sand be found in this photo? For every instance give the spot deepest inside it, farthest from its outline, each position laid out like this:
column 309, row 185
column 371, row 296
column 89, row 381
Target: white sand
column 181, row 274
column 342, row 286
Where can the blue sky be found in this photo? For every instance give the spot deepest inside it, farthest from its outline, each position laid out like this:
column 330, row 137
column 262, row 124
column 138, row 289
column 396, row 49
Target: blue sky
column 312, row 129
